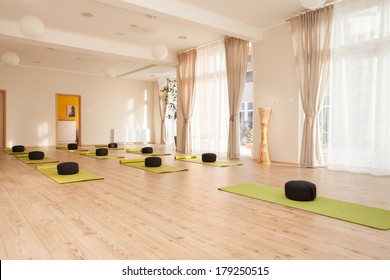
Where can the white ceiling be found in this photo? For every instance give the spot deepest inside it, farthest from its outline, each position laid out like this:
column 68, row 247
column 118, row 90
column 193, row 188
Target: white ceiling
column 122, row 33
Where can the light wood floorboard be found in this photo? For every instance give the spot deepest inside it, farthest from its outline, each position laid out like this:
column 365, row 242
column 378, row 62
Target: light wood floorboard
column 135, row 214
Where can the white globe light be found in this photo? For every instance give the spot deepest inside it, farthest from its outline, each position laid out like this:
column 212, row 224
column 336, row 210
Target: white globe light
column 160, row 52
column 162, row 82
column 32, row 26
column 110, row 72
column 10, row 58
column 312, row 4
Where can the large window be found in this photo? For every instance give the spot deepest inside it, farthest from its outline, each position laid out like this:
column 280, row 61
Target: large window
column 210, row 119
column 359, row 86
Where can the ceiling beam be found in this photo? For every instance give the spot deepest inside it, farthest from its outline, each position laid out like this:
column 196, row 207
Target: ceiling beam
column 185, row 12
column 81, row 42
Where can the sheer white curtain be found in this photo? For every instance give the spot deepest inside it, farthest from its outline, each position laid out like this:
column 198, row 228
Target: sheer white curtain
column 360, row 87
column 211, row 111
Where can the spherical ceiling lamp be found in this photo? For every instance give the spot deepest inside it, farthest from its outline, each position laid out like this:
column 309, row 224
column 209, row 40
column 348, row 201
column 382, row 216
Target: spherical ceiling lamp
column 312, row 4
column 160, row 52
column 110, row 72
column 32, row 26
column 10, row 58
column 162, row 82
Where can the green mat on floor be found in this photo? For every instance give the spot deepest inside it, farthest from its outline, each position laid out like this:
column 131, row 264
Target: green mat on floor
column 25, row 159
column 140, row 164
column 50, row 170
column 65, row 148
column 93, row 155
column 106, row 146
column 352, row 212
column 154, row 154
column 10, row 152
column 217, row 163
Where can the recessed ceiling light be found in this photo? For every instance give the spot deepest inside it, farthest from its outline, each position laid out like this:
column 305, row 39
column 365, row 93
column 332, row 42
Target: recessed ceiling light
column 182, row 37
column 86, row 14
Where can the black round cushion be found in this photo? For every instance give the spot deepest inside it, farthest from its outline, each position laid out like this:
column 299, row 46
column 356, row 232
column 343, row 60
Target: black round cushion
column 147, row 150
column 68, row 168
column 209, row 157
column 101, row 152
column 18, row 148
column 152, row 161
column 113, row 145
column 35, row 155
column 300, row 190
column 73, row 146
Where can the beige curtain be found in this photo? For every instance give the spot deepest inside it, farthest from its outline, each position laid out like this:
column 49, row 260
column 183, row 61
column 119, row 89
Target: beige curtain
column 186, row 87
column 311, row 39
column 163, row 111
column 236, row 51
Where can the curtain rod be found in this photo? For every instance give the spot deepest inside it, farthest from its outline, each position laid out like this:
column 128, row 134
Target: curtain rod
column 327, row 4
column 204, row 45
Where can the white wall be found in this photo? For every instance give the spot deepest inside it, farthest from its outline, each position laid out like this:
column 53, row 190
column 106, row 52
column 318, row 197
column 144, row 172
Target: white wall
column 106, row 104
column 276, row 86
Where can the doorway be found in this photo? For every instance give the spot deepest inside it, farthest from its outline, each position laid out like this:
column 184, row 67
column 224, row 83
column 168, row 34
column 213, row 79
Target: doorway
column 68, row 119
column 2, row 119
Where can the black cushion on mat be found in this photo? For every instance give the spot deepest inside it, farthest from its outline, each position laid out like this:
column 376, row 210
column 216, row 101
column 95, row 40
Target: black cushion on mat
column 35, row 155
column 209, row 157
column 68, row 168
column 152, row 161
column 147, row 150
column 18, row 149
column 101, row 152
column 113, row 145
column 73, row 146
column 300, row 190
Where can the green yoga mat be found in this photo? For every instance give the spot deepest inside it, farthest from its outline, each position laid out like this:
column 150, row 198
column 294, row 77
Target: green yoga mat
column 217, row 163
column 356, row 213
column 154, row 154
column 140, row 164
column 50, row 170
column 10, row 152
column 106, row 146
column 25, row 159
column 65, row 148
column 93, row 155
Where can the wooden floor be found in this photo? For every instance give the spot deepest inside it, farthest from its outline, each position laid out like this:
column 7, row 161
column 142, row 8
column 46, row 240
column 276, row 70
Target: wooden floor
column 136, row 214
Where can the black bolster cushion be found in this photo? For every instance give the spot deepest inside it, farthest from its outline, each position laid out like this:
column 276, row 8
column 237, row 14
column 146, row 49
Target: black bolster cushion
column 35, row 155
column 209, row 157
column 68, row 168
column 147, row 150
column 300, row 190
column 113, row 145
column 101, row 152
column 18, row 149
column 152, row 161
column 73, row 146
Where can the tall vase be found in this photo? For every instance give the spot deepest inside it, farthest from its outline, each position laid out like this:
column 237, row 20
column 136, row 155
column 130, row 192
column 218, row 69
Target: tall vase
column 265, row 114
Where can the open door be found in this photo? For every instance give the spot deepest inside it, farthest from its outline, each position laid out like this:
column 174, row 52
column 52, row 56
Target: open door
column 68, row 119
column 2, row 120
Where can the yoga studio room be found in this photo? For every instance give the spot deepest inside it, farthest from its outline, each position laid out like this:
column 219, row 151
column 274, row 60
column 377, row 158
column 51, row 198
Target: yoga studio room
column 195, row 130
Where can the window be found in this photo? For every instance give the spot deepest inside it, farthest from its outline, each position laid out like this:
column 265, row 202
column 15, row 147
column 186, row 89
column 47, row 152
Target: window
column 359, row 87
